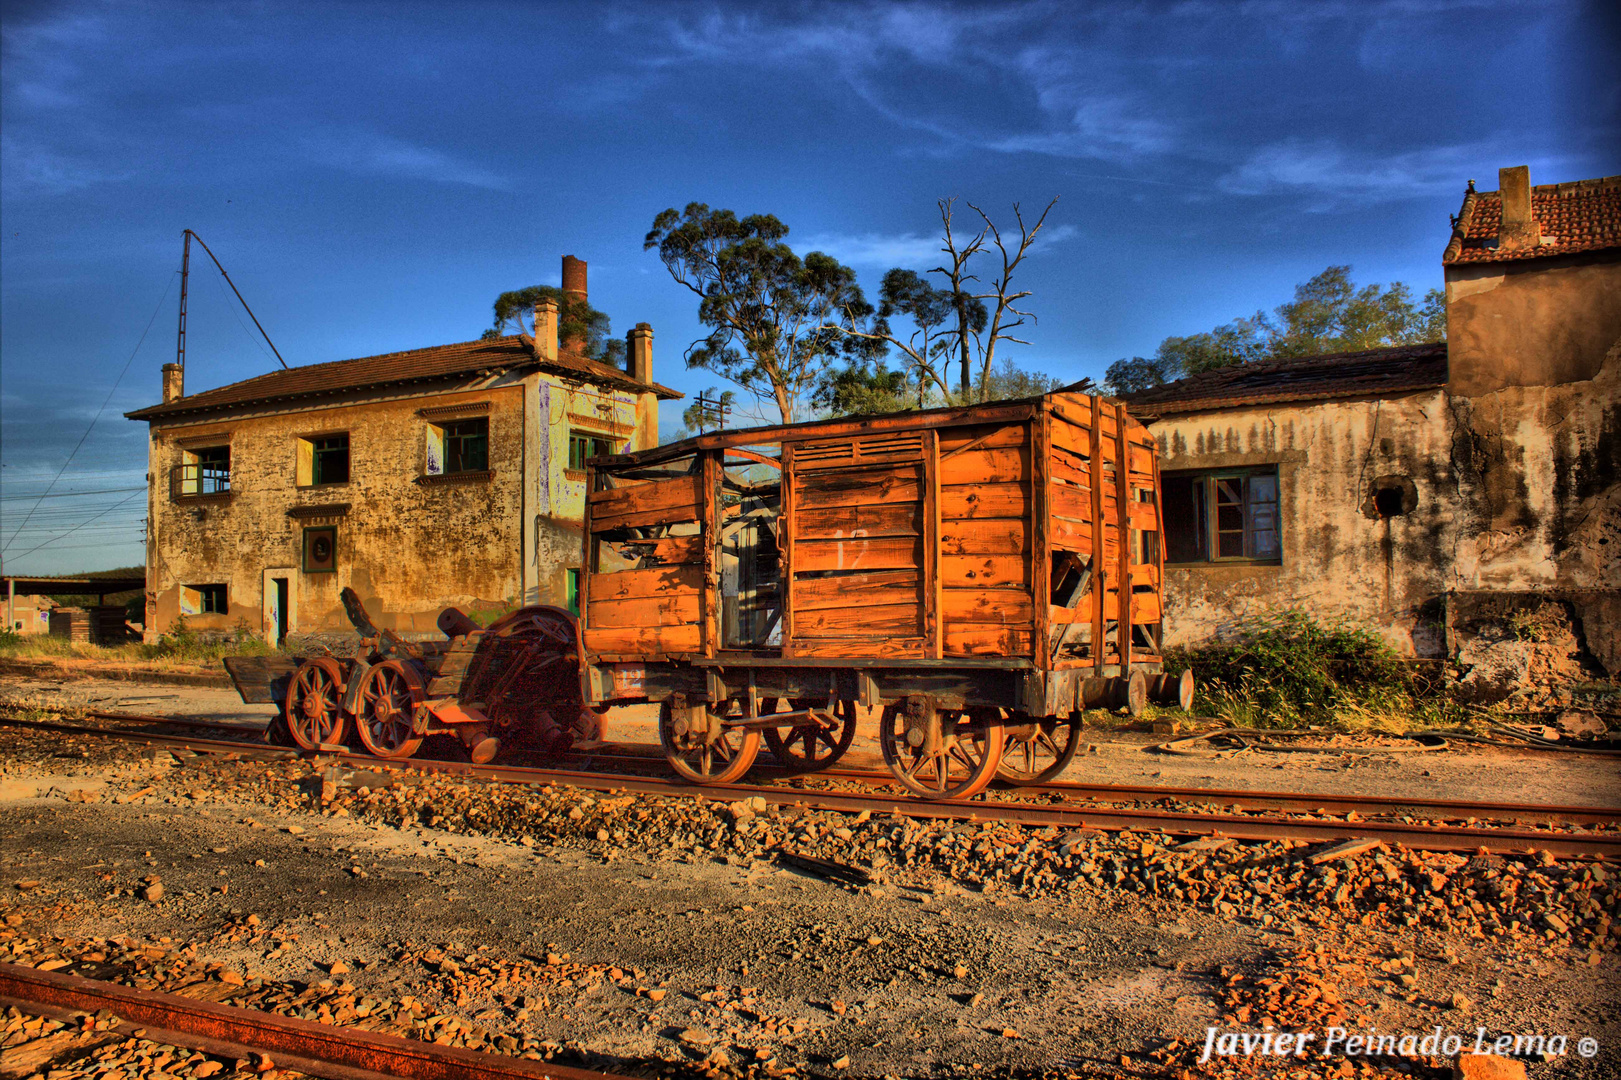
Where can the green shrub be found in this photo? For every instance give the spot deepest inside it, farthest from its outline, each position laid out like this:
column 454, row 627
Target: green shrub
column 1287, row 668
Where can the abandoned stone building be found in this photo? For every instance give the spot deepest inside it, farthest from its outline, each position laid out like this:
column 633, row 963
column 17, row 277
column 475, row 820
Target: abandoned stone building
column 1430, row 491
column 445, row 475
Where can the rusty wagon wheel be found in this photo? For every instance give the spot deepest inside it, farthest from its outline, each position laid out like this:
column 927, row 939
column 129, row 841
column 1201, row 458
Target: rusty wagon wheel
column 1036, row 751
column 390, row 700
column 721, row 756
column 314, row 707
column 957, row 759
column 809, row 748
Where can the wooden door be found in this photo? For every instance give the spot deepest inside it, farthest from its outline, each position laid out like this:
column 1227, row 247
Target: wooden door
column 856, row 546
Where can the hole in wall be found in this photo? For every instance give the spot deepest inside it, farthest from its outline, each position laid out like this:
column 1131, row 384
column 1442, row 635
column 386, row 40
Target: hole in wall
column 1390, row 497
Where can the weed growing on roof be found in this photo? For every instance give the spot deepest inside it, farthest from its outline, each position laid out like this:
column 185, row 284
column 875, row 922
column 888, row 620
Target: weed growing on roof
column 1286, row 668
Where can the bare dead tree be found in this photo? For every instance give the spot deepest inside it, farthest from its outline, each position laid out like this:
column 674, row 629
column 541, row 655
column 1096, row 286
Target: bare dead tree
column 1005, row 315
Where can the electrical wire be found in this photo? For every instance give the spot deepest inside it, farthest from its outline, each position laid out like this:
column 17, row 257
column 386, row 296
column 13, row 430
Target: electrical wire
column 71, row 531
column 93, row 420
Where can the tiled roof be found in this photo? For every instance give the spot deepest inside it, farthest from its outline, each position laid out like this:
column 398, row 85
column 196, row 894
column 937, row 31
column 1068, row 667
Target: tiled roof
column 414, row 365
column 1580, row 216
column 1373, row 373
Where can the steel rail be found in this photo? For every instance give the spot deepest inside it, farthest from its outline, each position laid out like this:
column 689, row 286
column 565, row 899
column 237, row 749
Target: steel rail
column 336, row 1053
column 1075, row 790
column 1415, row 835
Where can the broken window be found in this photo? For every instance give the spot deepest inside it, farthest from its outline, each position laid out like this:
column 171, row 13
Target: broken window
column 203, row 600
column 205, row 470
column 467, row 445
column 323, row 459
column 1227, row 515
column 584, row 445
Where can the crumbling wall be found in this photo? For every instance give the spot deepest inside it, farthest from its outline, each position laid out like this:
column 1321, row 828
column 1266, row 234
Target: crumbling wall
column 1348, row 551
column 1540, row 505
column 408, row 544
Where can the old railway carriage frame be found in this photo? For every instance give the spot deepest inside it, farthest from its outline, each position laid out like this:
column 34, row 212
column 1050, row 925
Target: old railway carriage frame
column 982, row 573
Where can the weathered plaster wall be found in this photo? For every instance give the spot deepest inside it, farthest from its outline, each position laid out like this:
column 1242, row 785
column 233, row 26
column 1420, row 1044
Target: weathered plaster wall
column 1533, row 323
column 1340, row 558
column 1538, row 468
column 407, row 547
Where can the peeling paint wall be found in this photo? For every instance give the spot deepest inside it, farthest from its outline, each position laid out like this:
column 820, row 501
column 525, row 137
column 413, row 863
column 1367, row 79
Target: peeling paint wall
column 1340, row 557
column 407, row 546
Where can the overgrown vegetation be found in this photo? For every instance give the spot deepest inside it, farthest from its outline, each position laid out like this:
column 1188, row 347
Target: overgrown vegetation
column 1287, row 669
column 181, row 645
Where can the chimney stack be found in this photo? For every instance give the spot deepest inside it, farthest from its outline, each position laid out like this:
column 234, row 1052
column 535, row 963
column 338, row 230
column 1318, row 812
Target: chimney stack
column 639, row 353
column 174, row 382
column 546, row 328
column 573, row 293
column 1519, row 228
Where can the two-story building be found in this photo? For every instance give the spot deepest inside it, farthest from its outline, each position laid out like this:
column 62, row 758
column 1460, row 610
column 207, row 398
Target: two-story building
column 1426, row 490
column 446, row 475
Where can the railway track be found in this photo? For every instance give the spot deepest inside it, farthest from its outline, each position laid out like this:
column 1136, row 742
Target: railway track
column 1428, row 824
column 315, row 1049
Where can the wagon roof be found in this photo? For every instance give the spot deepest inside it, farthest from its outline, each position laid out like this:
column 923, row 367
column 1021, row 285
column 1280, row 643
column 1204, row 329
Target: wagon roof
column 413, row 365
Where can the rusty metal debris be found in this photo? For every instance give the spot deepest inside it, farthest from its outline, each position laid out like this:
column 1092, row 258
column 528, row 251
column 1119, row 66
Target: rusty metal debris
column 337, row 1053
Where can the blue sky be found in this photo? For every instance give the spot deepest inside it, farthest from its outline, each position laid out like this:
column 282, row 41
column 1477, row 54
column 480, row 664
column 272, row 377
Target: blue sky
column 372, row 174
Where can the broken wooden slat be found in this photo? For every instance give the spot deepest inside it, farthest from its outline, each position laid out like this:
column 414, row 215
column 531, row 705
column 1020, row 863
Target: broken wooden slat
column 998, row 607
column 991, row 536
column 1006, row 466
column 874, row 587
column 984, row 501
column 1344, row 850
column 649, row 583
column 674, row 608
column 864, row 620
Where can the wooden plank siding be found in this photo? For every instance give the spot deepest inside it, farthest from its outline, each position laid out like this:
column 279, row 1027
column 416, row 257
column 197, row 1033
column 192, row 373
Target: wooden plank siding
column 987, row 538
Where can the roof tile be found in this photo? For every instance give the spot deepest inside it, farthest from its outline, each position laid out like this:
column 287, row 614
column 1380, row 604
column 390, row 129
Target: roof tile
column 413, row 365
column 1371, row 373
column 1580, row 216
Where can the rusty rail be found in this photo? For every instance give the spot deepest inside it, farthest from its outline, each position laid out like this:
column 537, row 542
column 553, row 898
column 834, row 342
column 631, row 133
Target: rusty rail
column 1114, row 818
column 317, row 1049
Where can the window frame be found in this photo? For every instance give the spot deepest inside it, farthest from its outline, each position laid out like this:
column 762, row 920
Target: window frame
column 446, row 435
column 192, row 475
column 309, row 458
column 1208, row 504
column 593, row 440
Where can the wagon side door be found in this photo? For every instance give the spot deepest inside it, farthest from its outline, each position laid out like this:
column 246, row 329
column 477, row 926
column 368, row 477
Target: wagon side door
column 858, row 546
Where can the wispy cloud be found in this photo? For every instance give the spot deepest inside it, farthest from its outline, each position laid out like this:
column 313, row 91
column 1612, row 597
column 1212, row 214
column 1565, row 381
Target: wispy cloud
column 1330, row 173
column 913, row 250
column 374, row 152
column 30, row 168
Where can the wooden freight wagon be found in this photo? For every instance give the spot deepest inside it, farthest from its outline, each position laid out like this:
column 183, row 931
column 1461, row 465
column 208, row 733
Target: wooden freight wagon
column 984, row 574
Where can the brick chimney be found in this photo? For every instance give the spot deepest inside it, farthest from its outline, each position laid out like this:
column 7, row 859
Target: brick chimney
column 574, row 292
column 1519, row 228
column 546, row 328
column 174, row 382
column 639, row 353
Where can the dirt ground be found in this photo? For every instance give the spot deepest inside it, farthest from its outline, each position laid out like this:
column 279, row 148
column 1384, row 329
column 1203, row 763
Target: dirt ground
column 764, row 970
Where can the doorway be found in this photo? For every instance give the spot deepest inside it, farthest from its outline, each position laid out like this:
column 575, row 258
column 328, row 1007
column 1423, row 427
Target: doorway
column 280, row 606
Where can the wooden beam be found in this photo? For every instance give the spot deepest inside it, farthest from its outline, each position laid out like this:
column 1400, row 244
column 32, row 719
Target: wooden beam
column 933, row 615
column 1122, row 481
column 1098, row 579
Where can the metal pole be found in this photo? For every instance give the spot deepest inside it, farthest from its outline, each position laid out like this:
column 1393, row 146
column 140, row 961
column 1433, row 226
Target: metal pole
column 244, row 303
column 185, row 272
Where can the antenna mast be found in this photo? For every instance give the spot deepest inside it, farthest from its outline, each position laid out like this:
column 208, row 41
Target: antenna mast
column 185, row 263
column 185, row 273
